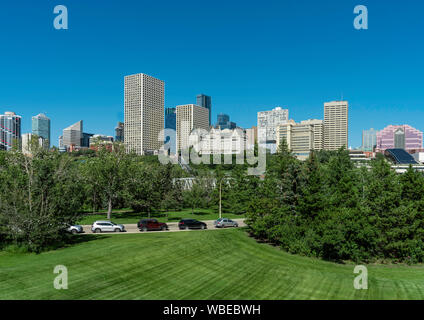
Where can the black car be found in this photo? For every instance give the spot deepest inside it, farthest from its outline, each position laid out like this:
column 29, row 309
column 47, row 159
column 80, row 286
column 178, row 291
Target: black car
column 191, row 224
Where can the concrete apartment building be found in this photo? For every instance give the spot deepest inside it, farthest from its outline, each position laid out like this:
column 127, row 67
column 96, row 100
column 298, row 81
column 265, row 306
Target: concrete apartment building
column 144, row 105
column 335, row 125
column 268, row 121
column 302, row 137
column 251, row 137
column 190, row 117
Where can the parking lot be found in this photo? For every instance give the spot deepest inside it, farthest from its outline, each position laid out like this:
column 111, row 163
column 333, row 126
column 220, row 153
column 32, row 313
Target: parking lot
column 173, row 227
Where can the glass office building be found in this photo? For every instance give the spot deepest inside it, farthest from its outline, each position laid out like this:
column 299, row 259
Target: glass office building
column 10, row 131
column 205, row 102
column 41, row 128
column 369, row 140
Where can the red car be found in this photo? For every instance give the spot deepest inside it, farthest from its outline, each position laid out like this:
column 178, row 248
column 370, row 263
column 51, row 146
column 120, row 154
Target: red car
column 151, row 225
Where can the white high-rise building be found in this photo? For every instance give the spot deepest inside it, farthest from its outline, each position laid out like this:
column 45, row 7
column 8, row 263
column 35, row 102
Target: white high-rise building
column 190, row 117
column 302, row 137
column 335, row 125
column 144, row 113
column 268, row 121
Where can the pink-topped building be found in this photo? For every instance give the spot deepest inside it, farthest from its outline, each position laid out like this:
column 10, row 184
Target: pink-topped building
column 399, row 137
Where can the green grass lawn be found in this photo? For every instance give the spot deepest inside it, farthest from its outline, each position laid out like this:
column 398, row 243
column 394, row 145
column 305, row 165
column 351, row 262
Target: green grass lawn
column 126, row 216
column 223, row 265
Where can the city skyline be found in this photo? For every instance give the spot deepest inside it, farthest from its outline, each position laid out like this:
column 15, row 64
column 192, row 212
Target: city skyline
column 303, row 61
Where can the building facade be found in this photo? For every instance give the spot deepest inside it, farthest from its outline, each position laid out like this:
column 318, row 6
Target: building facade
column 73, row 135
column 302, row 137
column 336, row 125
column 41, row 128
column 217, row 141
column 119, row 132
column 399, row 137
column 190, row 117
column 369, row 140
column 144, row 113
column 10, row 131
column 28, row 139
column 268, row 121
column 205, row 102
column 251, row 137
column 171, row 129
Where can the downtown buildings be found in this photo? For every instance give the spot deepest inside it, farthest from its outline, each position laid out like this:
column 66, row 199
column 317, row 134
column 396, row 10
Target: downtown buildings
column 41, row 128
column 10, row 131
column 144, row 113
column 268, row 121
column 399, row 137
column 335, row 125
column 302, row 137
column 188, row 118
column 205, row 102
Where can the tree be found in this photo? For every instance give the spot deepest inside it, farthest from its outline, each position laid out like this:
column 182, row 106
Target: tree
column 108, row 173
column 39, row 198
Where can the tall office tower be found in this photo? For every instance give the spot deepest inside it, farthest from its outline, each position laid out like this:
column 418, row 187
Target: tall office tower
column 190, row 117
column 171, row 128
column 10, row 131
column 224, row 122
column 205, row 102
column 268, row 121
column 41, row 128
column 399, row 137
column 335, row 125
column 369, row 140
column 302, row 137
column 251, row 137
column 73, row 135
column 144, row 113
column 119, row 132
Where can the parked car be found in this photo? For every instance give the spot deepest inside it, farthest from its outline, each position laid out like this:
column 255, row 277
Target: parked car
column 151, row 225
column 191, row 224
column 106, row 226
column 225, row 223
column 75, row 229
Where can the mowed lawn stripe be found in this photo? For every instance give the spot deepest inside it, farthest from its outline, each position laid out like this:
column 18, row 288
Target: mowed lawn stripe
column 222, row 265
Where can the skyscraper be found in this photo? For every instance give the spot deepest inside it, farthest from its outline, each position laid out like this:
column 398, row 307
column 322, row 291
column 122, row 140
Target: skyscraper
column 399, row 137
column 10, row 131
column 190, row 117
column 369, row 140
column 144, row 113
column 73, row 135
column 224, row 122
column 119, row 132
column 268, row 121
column 335, row 125
column 205, row 102
column 41, row 128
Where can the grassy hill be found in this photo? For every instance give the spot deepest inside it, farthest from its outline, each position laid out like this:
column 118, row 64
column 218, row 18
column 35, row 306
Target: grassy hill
column 224, row 264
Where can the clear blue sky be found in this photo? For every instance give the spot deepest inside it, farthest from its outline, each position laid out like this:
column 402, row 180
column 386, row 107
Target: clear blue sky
column 248, row 55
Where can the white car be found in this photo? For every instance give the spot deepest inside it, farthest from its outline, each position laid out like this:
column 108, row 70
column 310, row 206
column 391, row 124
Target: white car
column 107, row 226
column 75, row 229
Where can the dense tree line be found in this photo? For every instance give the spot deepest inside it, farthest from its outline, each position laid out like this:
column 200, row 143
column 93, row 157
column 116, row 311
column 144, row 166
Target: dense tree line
column 327, row 208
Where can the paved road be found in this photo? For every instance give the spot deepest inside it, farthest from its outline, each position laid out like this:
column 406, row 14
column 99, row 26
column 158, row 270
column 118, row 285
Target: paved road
column 173, row 227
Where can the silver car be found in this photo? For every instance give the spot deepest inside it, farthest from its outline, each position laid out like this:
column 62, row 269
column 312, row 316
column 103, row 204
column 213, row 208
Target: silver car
column 75, row 229
column 225, row 223
column 106, row 226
